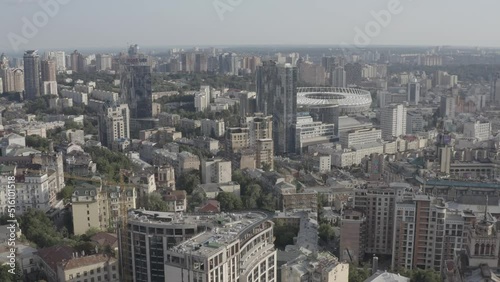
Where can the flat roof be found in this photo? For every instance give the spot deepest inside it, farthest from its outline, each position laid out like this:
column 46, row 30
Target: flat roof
column 221, row 229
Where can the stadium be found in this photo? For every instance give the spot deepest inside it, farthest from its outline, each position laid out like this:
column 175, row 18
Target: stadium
column 348, row 100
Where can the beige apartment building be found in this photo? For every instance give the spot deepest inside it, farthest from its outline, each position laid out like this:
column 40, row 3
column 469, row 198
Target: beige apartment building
column 99, row 207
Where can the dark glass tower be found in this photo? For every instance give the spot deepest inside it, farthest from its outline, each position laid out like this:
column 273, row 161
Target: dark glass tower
column 31, row 74
column 277, row 96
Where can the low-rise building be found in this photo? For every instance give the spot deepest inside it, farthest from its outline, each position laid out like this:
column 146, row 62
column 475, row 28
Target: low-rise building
column 324, row 267
column 211, row 190
column 99, row 207
column 89, row 268
column 176, row 201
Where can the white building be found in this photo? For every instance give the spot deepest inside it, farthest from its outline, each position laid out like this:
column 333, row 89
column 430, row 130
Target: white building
column 325, row 267
column 34, row 190
column 309, row 132
column 78, row 97
column 479, row 130
column 215, row 171
column 201, row 101
column 115, row 124
column 106, row 96
column 49, row 88
column 60, row 58
column 393, row 121
column 339, row 77
column 359, row 137
column 216, row 127
column 240, row 248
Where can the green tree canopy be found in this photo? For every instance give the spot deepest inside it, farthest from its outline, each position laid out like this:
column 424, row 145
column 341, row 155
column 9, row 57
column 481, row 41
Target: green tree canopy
column 357, row 274
column 229, row 201
column 38, row 228
column 326, row 232
column 188, row 181
column 156, row 203
column 38, row 143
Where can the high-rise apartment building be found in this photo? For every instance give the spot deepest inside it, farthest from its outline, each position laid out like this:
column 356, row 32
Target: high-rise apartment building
column 200, row 63
column 393, row 121
column 265, row 154
column 260, row 127
column 353, row 73
column 114, row 124
column 495, row 88
column 31, row 74
column 77, row 62
column 60, row 59
column 426, row 233
column 266, row 84
column 49, row 80
column 447, row 107
column 378, row 205
column 311, row 73
column 215, row 171
column 13, row 80
column 103, row 62
column 413, row 92
column 339, row 77
column 48, row 70
column 352, row 236
column 479, row 130
column 136, row 88
column 277, row 96
column 161, row 246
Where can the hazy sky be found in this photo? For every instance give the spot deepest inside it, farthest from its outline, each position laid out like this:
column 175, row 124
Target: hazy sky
column 117, row 23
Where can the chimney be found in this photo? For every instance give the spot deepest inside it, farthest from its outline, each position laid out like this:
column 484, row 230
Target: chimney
column 374, row 264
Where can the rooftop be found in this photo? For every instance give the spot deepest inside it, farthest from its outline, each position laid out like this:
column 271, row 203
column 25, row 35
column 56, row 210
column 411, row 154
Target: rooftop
column 384, row 276
column 79, row 262
column 56, row 254
column 220, row 229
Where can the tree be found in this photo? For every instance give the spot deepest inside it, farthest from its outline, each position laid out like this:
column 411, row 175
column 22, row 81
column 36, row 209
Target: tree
column 188, row 181
column 229, row 201
column 66, row 193
column 5, row 275
column 69, row 124
column 326, row 232
column 38, row 143
column 422, row 275
column 252, row 194
column 108, row 162
column 284, row 234
column 38, row 228
column 196, row 199
column 357, row 274
column 156, row 203
column 266, row 166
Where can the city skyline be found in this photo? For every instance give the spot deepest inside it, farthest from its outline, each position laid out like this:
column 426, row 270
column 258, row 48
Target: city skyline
column 317, row 22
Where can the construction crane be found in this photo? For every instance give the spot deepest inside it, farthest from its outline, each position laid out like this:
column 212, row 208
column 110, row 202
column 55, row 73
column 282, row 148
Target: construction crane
column 121, row 227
